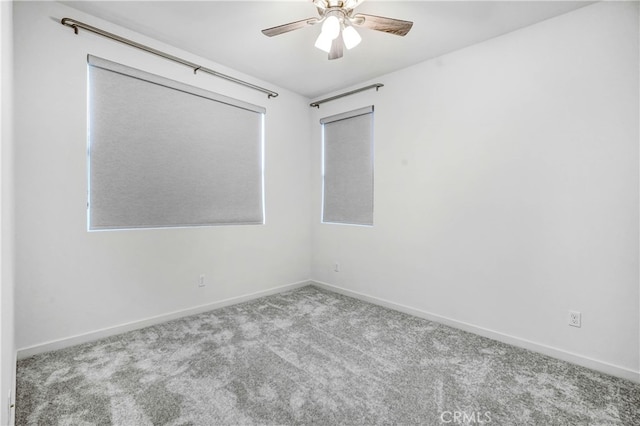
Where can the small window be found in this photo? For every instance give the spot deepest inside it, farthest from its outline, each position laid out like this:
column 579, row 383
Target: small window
column 166, row 154
column 347, row 141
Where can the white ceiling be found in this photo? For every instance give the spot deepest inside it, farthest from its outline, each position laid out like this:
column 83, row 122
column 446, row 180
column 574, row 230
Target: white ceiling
column 228, row 32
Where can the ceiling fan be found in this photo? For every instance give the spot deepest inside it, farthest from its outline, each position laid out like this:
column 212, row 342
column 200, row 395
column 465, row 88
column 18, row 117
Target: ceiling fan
column 338, row 25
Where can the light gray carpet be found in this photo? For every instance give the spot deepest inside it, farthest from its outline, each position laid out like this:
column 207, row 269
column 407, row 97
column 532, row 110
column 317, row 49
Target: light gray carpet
column 311, row 356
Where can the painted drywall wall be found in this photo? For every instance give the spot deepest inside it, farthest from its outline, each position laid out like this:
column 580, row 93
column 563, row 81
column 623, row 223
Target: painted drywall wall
column 69, row 281
column 506, row 189
column 7, row 339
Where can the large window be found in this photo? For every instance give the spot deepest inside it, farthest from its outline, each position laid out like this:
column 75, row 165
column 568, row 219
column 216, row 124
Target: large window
column 165, row 154
column 348, row 167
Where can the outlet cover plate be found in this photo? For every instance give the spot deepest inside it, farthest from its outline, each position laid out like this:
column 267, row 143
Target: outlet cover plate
column 575, row 319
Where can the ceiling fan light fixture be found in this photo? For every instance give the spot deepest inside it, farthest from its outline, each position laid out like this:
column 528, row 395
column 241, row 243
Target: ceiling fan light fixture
column 323, row 42
column 331, row 27
column 338, row 26
column 351, row 37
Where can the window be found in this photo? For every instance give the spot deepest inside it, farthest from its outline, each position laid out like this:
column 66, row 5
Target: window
column 348, row 167
column 166, row 154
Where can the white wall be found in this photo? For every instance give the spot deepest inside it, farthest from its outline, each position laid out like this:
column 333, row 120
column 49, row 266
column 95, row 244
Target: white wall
column 71, row 282
column 506, row 189
column 7, row 341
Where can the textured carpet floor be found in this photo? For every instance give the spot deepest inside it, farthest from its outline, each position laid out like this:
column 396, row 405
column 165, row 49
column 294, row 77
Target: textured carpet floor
column 311, row 356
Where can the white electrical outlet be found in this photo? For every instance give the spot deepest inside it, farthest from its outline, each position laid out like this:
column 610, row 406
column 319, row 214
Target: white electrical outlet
column 575, row 319
column 201, row 281
column 336, row 267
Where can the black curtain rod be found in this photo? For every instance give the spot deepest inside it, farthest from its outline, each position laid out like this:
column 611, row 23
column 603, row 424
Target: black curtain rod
column 77, row 24
column 342, row 95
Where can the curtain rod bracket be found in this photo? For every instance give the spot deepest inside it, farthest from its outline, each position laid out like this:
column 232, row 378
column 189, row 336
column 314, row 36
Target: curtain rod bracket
column 68, row 22
column 342, row 95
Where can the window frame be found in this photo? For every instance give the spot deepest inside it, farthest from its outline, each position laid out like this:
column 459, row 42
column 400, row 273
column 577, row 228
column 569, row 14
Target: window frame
column 254, row 147
column 367, row 111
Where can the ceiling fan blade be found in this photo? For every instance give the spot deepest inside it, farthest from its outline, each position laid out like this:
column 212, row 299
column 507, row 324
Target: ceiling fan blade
column 380, row 23
column 337, row 48
column 281, row 29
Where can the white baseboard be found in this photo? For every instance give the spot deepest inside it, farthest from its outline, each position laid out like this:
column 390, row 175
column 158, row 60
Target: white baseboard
column 136, row 325
column 603, row 367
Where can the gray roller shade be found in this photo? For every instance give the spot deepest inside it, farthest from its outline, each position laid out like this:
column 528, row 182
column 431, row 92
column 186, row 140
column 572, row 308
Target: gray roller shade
column 166, row 154
column 348, row 167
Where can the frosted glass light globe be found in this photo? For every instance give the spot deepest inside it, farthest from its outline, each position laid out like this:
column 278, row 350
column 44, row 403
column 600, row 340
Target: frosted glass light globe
column 331, row 27
column 351, row 37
